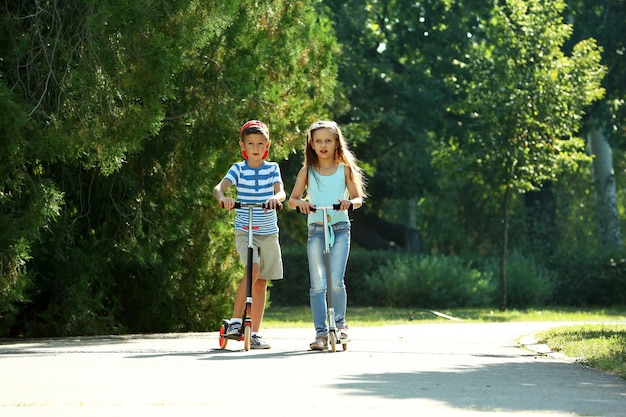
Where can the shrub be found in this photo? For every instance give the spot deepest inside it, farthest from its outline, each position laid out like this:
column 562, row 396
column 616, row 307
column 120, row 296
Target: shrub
column 587, row 277
column 293, row 290
column 385, row 278
column 431, row 282
column 528, row 282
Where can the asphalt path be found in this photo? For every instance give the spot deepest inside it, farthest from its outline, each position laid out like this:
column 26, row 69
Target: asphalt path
column 447, row 369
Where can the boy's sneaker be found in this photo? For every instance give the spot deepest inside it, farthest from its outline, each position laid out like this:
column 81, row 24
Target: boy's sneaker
column 257, row 342
column 233, row 329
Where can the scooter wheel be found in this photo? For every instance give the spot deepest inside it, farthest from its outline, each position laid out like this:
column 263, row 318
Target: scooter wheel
column 222, row 338
column 247, row 332
column 333, row 341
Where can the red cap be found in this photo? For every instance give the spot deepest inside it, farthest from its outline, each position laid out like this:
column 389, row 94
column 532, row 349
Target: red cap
column 261, row 127
column 255, row 123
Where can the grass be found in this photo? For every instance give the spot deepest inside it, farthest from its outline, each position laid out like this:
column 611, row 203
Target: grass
column 597, row 338
column 284, row 317
column 600, row 346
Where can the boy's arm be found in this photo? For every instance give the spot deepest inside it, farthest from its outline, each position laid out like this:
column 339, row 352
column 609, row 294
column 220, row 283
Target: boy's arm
column 218, row 193
column 279, row 195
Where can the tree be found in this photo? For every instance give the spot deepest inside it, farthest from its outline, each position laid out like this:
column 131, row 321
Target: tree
column 604, row 185
column 127, row 115
column 605, row 21
column 396, row 55
column 522, row 104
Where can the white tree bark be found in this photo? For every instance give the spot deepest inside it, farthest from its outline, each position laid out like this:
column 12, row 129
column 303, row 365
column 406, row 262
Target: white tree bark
column 412, row 213
column 609, row 233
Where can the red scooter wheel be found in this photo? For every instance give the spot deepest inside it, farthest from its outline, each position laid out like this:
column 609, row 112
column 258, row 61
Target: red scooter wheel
column 222, row 339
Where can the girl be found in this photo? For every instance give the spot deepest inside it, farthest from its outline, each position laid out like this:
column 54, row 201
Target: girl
column 330, row 175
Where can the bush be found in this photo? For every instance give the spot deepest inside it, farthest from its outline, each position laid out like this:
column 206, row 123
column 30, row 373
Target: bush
column 590, row 278
column 528, row 283
column 293, row 290
column 385, row 278
column 431, row 282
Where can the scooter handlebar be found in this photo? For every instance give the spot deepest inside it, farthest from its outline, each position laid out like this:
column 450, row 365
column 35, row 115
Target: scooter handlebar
column 333, row 207
column 239, row 205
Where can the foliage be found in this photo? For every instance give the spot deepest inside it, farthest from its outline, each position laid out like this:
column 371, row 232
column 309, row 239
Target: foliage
column 393, row 279
column 119, row 117
column 587, row 277
column 529, row 283
column 386, row 278
column 126, row 116
column 293, row 290
column 431, row 282
column 29, row 204
column 396, row 57
column 522, row 102
column 605, row 21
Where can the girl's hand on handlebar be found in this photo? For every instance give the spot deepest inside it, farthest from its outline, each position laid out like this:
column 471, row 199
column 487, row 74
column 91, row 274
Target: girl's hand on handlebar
column 227, row 203
column 344, row 204
column 305, row 207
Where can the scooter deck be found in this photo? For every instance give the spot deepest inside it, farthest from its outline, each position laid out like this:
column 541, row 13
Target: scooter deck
column 232, row 336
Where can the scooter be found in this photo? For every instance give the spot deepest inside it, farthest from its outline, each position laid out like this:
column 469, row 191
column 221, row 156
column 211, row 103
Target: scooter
column 245, row 333
column 330, row 310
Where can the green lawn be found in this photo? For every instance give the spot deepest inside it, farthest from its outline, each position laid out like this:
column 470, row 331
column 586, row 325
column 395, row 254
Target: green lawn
column 276, row 317
column 598, row 341
column 601, row 346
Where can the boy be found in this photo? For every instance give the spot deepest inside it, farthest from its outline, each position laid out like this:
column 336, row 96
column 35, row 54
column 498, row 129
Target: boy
column 257, row 181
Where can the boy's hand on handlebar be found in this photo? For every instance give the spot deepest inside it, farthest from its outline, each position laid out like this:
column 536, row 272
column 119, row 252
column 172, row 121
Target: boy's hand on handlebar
column 227, row 203
column 273, row 204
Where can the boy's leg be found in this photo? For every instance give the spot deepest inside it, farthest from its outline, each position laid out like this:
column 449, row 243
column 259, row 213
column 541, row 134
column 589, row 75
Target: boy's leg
column 270, row 267
column 240, row 296
column 259, row 289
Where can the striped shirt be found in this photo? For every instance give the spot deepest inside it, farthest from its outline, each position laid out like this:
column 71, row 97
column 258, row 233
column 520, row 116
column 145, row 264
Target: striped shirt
column 255, row 185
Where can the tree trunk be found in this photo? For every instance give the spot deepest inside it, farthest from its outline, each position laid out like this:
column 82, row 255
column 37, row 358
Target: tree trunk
column 505, row 243
column 412, row 213
column 609, row 233
column 541, row 220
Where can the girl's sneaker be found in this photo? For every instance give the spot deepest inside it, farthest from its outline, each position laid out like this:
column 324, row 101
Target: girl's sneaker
column 342, row 332
column 257, row 342
column 321, row 343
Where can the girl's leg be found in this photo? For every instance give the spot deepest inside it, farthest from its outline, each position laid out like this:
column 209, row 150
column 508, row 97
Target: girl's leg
column 338, row 261
column 317, row 292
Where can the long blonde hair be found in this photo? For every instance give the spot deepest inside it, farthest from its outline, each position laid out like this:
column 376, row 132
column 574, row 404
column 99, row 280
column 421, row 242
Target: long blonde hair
column 343, row 154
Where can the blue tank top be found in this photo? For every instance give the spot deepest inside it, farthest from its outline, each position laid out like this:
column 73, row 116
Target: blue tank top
column 326, row 190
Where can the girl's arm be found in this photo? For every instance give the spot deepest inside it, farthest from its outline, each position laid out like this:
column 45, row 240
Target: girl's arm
column 355, row 198
column 295, row 199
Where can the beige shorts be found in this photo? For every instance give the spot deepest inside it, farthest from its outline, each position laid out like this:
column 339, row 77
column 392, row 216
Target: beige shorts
column 266, row 252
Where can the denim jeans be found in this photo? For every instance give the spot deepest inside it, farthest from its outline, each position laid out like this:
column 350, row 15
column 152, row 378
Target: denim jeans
column 317, row 272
